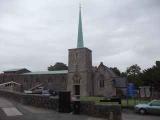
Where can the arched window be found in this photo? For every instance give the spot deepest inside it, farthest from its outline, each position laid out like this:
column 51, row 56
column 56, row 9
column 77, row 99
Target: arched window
column 101, row 81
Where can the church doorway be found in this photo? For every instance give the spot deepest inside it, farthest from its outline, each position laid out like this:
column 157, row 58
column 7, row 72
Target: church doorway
column 76, row 89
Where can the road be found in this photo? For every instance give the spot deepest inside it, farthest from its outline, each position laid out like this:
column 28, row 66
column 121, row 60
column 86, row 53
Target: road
column 10, row 110
column 130, row 115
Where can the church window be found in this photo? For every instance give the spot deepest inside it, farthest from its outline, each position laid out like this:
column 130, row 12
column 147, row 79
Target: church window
column 101, row 81
column 77, row 89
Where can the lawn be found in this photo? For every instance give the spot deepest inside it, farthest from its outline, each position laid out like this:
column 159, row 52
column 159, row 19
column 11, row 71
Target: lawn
column 131, row 102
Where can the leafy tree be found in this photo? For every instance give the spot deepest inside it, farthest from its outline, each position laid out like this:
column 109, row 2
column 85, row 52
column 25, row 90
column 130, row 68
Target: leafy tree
column 133, row 70
column 58, row 66
column 158, row 64
column 133, row 73
column 151, row 76
column 116, row 71
column 123, row 74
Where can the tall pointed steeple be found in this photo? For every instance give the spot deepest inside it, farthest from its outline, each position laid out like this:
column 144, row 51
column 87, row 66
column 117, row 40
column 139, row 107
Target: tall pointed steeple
column 80, row 31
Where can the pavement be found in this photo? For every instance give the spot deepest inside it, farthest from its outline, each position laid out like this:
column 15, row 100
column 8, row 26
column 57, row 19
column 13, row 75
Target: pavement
column 10, row 110
column 131, row 115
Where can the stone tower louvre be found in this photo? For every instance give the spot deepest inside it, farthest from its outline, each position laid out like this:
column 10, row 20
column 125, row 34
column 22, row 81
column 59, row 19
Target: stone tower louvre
column 80, row 67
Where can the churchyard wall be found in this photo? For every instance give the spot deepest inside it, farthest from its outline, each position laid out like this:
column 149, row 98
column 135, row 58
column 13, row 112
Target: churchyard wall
column 110, row 112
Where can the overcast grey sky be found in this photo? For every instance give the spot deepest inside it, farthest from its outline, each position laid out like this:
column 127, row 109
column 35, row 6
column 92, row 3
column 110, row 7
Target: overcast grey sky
column 37, row 33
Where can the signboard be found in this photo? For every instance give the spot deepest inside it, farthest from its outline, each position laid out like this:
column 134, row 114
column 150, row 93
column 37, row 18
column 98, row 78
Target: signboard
column 145, row 91
column 131, row 90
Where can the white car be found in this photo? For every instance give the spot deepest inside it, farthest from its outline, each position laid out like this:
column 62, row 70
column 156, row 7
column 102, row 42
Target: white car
column 45, row 92
column 152, row 107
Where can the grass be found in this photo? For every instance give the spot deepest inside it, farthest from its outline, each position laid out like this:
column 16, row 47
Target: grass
column 131, row 102
column 95, row 99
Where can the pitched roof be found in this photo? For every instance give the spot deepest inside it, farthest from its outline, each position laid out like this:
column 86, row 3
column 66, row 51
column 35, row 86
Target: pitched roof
column 107, row 69
column 120, row 82
column 14, row 70
column 47, row 72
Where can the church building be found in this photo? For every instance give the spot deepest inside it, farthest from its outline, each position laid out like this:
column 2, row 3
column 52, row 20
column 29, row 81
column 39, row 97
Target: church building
column 81, row 78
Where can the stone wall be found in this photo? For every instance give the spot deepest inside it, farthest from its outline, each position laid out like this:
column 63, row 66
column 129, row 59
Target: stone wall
column 80, row 65
column 103, row 73
column 34, row 100
column 112, row 112
column 109, row 112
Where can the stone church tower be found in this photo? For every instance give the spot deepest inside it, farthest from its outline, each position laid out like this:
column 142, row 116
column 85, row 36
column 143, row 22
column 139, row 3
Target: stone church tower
column 80, row 67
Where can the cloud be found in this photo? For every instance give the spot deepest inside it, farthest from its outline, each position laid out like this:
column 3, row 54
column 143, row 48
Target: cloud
column 37, row 33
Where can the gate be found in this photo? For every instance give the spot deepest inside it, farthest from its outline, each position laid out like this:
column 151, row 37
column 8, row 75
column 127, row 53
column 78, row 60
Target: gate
column 64, row 102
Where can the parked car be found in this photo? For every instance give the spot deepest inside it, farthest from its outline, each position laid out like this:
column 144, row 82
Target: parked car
column 152, row 107
column 45, row 92
column 52, row 92
column 27, row 91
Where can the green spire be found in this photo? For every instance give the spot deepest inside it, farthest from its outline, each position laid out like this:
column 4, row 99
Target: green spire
column 80, row 31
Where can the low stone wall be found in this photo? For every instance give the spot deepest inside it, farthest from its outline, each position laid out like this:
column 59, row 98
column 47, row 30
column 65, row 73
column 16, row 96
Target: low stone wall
column 110, row 112
column 12, row 95
column 40, row 101
column 34, row 100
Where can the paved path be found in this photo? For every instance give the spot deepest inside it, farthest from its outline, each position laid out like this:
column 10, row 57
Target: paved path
column 10, row 110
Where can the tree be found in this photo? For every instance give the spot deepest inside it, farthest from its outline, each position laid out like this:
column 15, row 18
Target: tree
column 133, row 73
column 116, row 71
column 151, row 76
column 133, row 70
column 58, row 66
column 123, row 74
column 158, row 64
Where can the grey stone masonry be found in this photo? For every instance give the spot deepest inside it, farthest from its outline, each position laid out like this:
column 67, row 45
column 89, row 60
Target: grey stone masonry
column 80, row 71
column 109, row 112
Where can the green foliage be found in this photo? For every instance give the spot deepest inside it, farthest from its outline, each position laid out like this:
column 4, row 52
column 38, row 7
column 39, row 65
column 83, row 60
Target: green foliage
column 133, row 70
column 158, row 64
column 116, row 71
column 133, row 74
column 131, row 102
column 151, row 76
column 58, row 66
column 123, row 74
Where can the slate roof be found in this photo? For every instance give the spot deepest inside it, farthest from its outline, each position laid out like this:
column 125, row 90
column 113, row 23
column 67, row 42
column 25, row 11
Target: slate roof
column 112, row 74
column 47, row 72
column 14, row 70
column 120, row 82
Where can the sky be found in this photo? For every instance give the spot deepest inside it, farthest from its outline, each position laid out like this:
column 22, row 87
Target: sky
column 37, row 33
